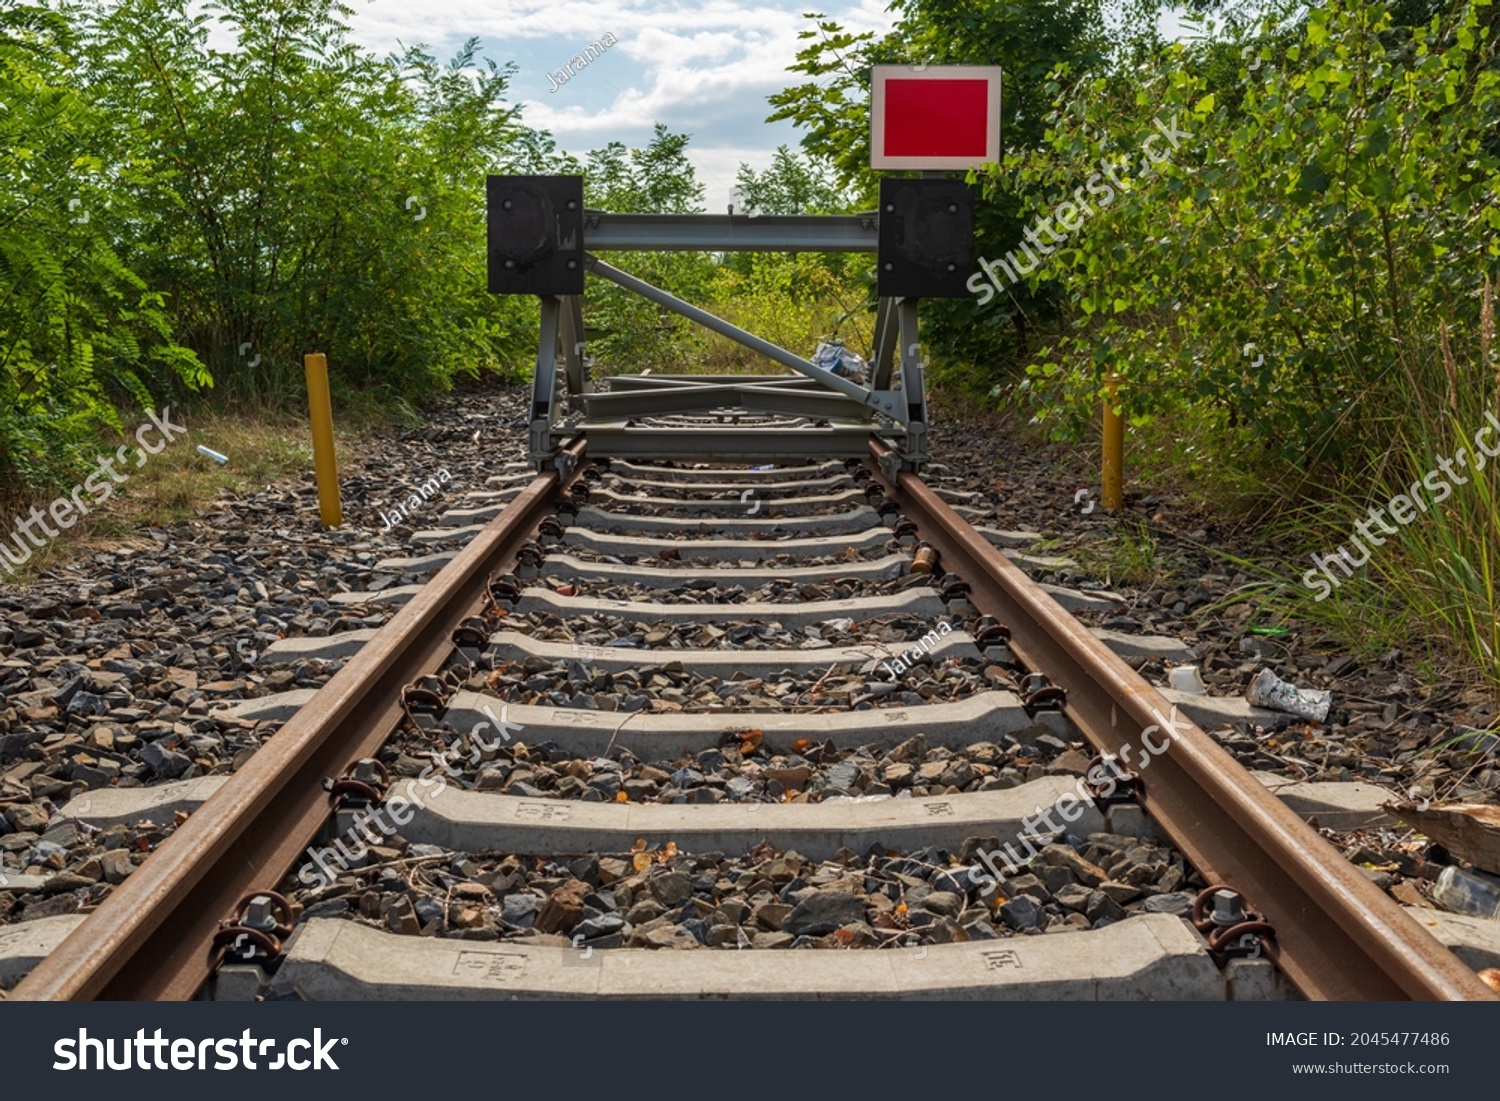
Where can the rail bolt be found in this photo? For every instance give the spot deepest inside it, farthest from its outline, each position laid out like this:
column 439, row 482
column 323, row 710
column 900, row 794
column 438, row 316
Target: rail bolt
column 261, row 923
column 363, row 784
column 1220, row 907
column 1228, row 907
column 988, row 632
column 952, row 586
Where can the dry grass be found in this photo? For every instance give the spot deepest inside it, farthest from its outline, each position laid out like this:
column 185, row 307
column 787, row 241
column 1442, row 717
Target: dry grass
column 176, row 484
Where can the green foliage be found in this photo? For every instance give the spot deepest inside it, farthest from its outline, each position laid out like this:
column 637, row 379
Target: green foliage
column 1437, row 578
column 78, row 329
column 1278, row 272
column 296, row 194
column 791, row 185
column 1028, row 39
column 793, row 300
column 794, row 184
column 627, row 331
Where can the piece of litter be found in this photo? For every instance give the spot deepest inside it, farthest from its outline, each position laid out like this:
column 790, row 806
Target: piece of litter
column 1269, row 690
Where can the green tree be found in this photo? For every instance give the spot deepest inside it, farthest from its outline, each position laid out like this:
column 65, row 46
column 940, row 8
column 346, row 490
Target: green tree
column 1278, row 275
column 790, row 185
column 79, row 330
column 1028, row 39
column 629, row 332
column 301, row 194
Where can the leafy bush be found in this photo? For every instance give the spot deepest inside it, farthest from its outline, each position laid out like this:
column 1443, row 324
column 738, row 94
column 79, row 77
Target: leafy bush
column 79, row 330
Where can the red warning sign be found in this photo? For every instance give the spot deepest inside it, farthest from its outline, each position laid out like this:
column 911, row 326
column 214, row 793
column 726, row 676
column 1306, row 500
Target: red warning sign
column 938, row 117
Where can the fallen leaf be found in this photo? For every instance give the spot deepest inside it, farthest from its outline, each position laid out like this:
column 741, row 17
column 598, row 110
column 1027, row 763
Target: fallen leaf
column 801, row 743
column 622, row 797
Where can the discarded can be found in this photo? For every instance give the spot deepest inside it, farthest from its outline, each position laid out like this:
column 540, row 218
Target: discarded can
column 1462, row 892
column 211, row 454
column 925, row 560
column 1269, row 690
column 1186, row 678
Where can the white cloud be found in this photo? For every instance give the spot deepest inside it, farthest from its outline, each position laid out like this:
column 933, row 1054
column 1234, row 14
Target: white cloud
column 706, row 70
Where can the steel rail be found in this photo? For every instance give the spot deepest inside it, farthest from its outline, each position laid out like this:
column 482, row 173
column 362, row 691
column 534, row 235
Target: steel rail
column 151, row 938
column 1338, row 936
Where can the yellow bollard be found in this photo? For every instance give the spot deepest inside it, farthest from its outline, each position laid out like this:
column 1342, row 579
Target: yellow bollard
column 1112, row 474
column 324, row 460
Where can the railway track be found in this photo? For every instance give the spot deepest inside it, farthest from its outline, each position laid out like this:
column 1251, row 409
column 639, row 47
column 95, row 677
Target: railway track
column 781, row 758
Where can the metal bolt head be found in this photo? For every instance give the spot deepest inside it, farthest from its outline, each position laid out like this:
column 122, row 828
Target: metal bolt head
column 572, row 265
column 890, row 208
column 889, row 266
column 509, row 265
column 260, row 914
column 1228, row 908
column 506, row 204
column 364, row 771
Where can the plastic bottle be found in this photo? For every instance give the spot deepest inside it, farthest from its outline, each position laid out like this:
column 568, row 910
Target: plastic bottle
column 1465, row 893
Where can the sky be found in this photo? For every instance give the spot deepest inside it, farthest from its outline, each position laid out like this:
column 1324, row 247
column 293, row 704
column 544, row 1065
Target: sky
column 702, row 69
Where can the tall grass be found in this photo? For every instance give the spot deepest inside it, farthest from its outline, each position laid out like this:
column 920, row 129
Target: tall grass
column 1432, row 587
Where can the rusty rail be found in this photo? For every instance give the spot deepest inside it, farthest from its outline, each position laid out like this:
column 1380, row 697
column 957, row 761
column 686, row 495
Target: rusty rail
column 1339, row 937
column 151, row 939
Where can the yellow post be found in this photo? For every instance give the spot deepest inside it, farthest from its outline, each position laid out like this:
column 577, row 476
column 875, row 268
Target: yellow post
column 1112, row 475
column 324, row 460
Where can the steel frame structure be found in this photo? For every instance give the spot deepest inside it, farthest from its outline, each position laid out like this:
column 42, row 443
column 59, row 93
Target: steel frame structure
column 812, row 412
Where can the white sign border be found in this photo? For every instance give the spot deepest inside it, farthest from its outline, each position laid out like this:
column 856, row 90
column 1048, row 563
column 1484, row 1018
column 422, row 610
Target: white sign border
column 879, row 74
